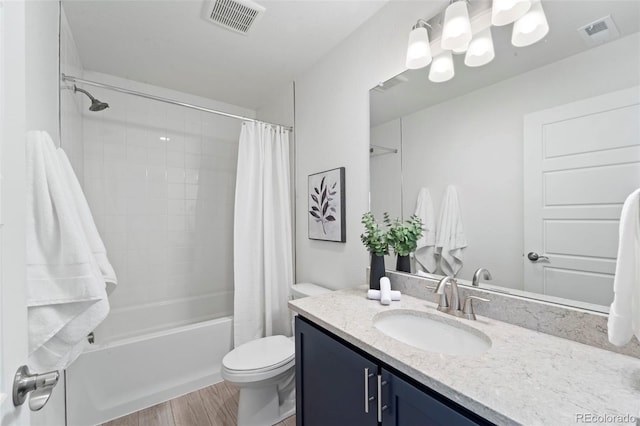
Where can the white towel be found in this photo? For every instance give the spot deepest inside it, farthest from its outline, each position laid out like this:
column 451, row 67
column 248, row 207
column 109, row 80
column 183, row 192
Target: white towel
column 385, row 291
column 450, row 238
column 375, row 295
column 624, row 315
column 88, row 225
column 66, row 295
column 425, row 253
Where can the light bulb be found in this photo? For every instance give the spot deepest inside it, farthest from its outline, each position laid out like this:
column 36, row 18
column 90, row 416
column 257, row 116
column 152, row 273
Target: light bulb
column 531, row 28
column 480, row 50
column 418, row 50
column 442, row 67
column 456, row 32
column 504, row 12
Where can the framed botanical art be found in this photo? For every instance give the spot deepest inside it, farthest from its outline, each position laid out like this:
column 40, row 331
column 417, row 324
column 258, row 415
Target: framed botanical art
column 326, row 213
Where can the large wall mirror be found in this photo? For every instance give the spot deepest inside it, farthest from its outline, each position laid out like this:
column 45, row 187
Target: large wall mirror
column 542, row 145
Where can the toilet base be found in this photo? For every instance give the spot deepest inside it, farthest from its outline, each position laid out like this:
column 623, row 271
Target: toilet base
column 267, row 403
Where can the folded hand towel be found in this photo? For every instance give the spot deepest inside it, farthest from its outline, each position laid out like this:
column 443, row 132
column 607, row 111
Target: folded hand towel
column 88, row 225
column 450, row 238
column 624, row 315
column 425, row 253
column 375, row 295
column 385, row 291
column 66, row 295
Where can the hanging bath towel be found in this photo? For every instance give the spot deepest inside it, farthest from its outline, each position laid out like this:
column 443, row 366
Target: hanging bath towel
column 86, row 220
column 425, row 253
column 66, row 297
column 450, row 238
column 624, row 315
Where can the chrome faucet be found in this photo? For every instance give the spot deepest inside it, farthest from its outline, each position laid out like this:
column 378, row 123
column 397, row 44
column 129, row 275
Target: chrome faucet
column 481, row 273
column 444, row 306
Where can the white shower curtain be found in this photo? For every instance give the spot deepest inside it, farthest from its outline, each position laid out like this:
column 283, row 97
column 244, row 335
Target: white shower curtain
column 262, row 254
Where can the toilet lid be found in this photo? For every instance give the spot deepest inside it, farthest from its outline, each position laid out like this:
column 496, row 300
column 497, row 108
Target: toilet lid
column 266, row 353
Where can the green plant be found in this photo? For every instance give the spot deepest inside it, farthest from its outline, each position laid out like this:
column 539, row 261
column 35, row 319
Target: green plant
column 374, row 238
column 403, row 237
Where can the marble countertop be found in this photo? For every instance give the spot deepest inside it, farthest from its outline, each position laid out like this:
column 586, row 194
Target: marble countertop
column 526, row 377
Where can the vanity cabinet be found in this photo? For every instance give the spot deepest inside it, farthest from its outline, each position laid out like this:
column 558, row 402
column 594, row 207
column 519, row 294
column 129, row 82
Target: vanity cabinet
column 338, row 384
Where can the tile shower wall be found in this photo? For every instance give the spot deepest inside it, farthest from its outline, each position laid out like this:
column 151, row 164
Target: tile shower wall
column 160, row 181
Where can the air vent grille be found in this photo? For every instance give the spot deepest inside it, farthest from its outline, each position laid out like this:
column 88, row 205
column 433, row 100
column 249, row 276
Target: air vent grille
column 598, row 32
column 596, row 28
column 235, row 15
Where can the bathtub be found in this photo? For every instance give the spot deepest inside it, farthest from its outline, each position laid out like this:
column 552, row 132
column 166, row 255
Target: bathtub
column 112, row 379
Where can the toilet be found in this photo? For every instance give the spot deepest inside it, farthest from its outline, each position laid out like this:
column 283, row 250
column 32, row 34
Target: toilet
column 264, row 370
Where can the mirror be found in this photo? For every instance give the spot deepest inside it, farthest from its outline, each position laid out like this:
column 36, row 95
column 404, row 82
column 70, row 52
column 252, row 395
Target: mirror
column 542, row 145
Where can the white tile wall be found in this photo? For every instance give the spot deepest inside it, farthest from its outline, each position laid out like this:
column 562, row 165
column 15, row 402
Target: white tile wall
column 160, row 181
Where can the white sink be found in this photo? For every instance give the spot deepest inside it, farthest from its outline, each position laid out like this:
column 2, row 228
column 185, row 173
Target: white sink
column 432, row 333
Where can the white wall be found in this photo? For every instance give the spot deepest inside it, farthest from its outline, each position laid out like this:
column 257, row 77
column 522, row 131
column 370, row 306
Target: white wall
column 71, row 104
column 332, row 130
column 163, row 208
column 42, row 66
column 474, row 142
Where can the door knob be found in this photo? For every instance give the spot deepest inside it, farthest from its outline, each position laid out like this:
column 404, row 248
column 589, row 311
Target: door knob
column 39, row 385
column 534, row 257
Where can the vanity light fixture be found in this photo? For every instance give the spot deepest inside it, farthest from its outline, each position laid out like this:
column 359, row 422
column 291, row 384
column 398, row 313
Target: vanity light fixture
column 418, row 50
column 456, row 32
column 504, row 12
column 442, row 67
column 480, row 50
column 530, row 28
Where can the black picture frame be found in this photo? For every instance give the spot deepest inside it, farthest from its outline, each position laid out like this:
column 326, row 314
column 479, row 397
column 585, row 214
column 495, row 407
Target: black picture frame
column 326, row 213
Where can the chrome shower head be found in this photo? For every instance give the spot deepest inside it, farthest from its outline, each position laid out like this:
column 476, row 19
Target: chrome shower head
column 96, row 105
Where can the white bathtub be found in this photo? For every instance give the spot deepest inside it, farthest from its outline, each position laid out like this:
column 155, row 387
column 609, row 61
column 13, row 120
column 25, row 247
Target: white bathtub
column 114, row 379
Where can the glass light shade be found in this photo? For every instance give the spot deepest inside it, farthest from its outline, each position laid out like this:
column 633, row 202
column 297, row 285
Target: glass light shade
column 531, row 28
column 442, row 67
column 504, row 12
column 456, row 32
column 480, row 50
column 418, row 50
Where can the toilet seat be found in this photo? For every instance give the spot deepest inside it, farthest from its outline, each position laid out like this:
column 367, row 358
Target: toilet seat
column 267, row 357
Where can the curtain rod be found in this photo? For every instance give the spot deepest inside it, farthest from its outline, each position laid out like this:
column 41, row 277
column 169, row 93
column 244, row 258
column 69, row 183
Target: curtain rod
column 169, row 101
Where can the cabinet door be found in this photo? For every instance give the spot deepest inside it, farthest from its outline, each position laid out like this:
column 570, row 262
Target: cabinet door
column 406, row 405
column 334, row 385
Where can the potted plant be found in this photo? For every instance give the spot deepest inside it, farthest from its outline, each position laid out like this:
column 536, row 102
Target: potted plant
column 403, row 238
column 375, row 240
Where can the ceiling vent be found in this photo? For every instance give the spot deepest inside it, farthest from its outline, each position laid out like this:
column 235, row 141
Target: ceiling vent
column 235, row 15
column 599, row 32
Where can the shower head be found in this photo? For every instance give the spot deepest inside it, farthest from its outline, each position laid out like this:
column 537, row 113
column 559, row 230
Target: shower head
column 96, row 105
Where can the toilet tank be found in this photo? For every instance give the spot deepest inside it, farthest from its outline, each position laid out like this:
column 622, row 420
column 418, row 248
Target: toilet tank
column 301, row 290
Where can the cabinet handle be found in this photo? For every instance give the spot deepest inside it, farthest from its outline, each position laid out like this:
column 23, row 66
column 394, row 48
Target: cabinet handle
column 366, row 390
column 381, row 408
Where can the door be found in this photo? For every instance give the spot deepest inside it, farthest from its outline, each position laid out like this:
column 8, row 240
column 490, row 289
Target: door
column 13, row 311
column 406, row 405
column 334, row 385
column 581, row 161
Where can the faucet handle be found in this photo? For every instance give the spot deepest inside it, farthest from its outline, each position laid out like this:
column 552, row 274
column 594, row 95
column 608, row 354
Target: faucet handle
column 467, row 310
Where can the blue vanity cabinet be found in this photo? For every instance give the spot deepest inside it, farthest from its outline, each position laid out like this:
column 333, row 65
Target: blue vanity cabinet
column 405, row 404
column 332, row 381
column 338, row 385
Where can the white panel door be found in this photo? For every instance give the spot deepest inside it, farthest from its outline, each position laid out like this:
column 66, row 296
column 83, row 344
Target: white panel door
column 13, row 311
column 581, row 160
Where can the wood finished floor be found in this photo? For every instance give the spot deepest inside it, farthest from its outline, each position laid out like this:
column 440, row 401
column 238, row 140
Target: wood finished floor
column 216, row 405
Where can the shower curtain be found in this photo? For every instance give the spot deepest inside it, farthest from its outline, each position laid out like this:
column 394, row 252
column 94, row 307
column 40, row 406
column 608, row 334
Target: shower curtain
column 262, row 255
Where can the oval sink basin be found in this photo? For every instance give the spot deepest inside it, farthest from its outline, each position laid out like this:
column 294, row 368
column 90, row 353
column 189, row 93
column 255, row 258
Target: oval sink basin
column 432, row 333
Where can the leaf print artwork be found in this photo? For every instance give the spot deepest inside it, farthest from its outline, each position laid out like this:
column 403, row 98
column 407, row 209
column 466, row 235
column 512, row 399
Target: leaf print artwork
column 326, row 206
column 323, row 208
